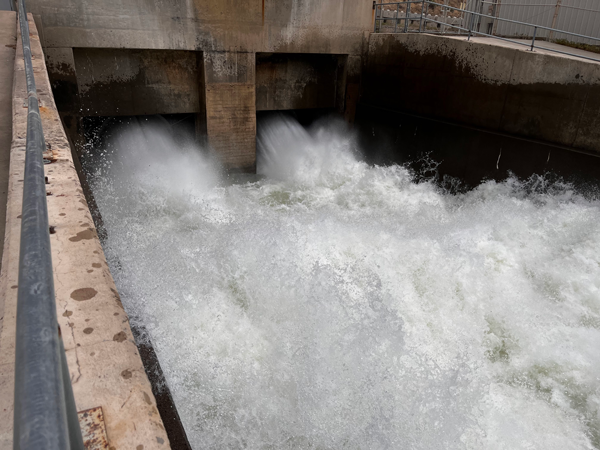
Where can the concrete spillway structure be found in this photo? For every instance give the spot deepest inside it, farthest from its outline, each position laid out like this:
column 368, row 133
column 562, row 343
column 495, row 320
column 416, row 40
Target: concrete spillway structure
column 223, row 62
column 210, row 58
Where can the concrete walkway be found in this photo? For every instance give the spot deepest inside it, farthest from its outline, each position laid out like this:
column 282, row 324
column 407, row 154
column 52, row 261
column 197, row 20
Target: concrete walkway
column 542, row 47
column 8, row 41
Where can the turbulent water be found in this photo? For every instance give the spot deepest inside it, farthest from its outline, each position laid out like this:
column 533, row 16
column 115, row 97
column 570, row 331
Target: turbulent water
column 330, row 304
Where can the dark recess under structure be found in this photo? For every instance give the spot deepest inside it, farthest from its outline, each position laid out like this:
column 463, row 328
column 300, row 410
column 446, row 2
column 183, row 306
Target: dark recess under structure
column 470, row 154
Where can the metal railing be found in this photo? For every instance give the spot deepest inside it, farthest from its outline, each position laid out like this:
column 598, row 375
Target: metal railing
column 408, row 21
column 45, row 415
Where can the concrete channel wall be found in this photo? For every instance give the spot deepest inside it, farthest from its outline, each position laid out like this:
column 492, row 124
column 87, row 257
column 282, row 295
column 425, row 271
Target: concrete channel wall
column 487, row 84
column 104, row 362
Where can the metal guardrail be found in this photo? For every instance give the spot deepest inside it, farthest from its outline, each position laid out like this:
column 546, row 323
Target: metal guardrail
column 467, row 30
column 45, row 415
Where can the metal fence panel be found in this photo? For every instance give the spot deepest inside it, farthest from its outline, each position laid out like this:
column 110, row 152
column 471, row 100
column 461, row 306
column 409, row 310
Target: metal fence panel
column 574, row 16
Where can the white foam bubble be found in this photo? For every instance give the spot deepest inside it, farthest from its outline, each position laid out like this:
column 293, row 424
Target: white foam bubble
column 337, row 305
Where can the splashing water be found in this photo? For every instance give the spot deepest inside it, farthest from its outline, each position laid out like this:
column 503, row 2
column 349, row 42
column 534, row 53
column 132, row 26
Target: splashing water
column 336, row 305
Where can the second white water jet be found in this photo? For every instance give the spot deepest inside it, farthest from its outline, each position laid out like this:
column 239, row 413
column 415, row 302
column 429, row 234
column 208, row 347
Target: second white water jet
column 336, row 305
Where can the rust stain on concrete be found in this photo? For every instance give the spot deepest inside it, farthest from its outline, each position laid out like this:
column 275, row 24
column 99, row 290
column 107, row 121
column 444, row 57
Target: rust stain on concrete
column 93, row 429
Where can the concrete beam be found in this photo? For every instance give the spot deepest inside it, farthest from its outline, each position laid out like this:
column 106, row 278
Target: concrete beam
column 291, row 26
column 231, row 108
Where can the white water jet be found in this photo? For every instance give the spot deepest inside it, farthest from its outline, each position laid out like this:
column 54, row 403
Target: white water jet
column 336, row 305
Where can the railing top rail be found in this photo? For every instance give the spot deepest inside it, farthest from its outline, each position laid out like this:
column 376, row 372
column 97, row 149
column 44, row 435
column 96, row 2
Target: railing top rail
column 44, row 408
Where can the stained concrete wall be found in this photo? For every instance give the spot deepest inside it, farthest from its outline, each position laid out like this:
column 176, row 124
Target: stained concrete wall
column 540, row 96
column 297, row 81
column 136, row 82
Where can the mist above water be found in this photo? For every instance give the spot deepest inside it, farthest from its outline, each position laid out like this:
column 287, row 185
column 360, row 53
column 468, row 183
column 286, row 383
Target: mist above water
column 336, row 305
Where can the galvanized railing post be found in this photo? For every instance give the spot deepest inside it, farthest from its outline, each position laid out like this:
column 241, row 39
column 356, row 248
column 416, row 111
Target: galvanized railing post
column 471, row 25
column 375, row 16
column 406, row 16
column 421, row 18
column 533, row 39
column 397, row 17
column 45, row 416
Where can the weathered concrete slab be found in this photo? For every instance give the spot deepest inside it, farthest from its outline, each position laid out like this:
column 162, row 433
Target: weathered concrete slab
column 105, row 366
column 494, row 86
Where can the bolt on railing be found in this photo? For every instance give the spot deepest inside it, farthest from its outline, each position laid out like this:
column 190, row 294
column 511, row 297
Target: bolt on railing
column 45, row 415
column 469, row 30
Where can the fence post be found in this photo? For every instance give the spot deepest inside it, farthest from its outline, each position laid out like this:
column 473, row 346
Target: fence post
column 471, row 24
column 421, row 19
column 554, row 19
column 375, row 19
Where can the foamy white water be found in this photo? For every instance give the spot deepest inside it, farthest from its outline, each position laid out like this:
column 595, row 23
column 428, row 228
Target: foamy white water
column 335, row 305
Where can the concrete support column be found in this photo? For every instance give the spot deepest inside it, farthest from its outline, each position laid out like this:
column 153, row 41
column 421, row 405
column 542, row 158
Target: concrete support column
column 230, row 95
column 352, row 91
column 200, row 117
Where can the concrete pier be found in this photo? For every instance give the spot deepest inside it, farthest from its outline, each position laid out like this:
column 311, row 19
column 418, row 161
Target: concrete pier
column 231, row 108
